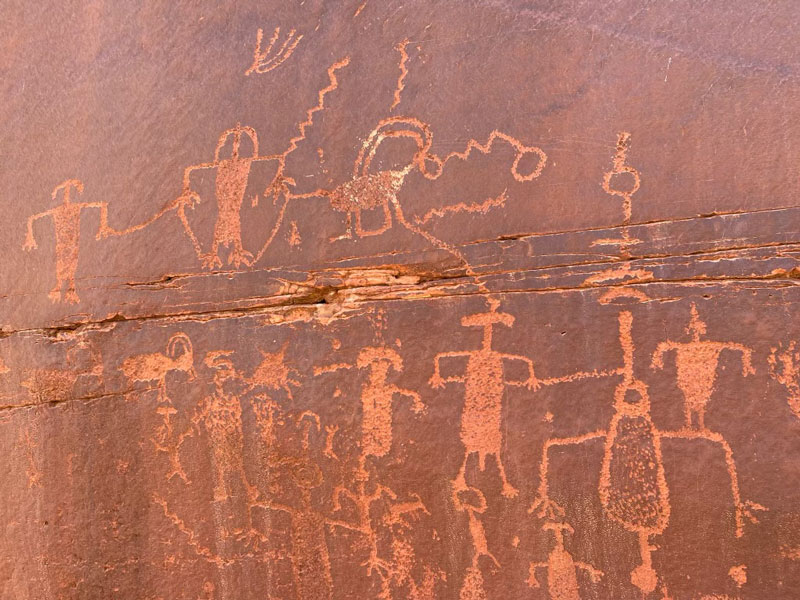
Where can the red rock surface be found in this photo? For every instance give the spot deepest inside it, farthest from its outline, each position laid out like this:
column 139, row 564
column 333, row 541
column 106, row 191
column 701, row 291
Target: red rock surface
column 467, row 300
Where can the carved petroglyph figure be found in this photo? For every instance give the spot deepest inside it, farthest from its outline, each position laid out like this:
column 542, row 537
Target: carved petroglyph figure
column 473, row 502
column 784, row 367
column 697, row 362
column 309, row 553
column 154, row 367
column 231, row 182
column 633, row 488
column 272, row 373
column 400, row 519
column 621, row 181
column 67, row 224
column 485, row 382
column 379, row 189
column 562, row 570
column 377, row 396
column 266, row 60
column 58, row 385
column 233, row 174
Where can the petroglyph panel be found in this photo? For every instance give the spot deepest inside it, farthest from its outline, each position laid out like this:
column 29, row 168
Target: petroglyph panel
column 323, row 300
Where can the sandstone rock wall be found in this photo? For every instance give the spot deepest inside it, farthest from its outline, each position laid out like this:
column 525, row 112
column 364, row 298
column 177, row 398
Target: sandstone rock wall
column 469, row 300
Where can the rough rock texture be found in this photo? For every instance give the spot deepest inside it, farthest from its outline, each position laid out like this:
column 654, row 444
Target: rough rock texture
column 367, row 299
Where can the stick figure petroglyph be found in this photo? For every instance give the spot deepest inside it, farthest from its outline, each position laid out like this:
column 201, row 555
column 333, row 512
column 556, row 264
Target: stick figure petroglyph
column 67, row 224
column 784, row 367
column 472, row 501
column 485, row 382
column 309, row 554
column 697, row 362
column 265, row 60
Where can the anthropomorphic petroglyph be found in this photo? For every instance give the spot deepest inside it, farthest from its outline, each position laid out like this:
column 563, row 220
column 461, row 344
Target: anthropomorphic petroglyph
column 231, row 183
column 485, row 382
column 633, row 488
column 154, row 367
column 309, row 553
column 67, row 224
column 221, row 415
column 401, row 519
column 233, row 174
column 473, row 502
column 266, row 60
column 697, row 362
column 561, row 569
column 377, row 397
column 784, row 367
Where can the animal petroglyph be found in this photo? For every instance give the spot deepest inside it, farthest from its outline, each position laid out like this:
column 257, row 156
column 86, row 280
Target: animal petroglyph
column 154, row 367
column 266, row 60
column 485, row 382
column 67, row 224
column 370, row 190
column 697, row 362
column 784, row 367
column 561, row 569
column 58, row 385
column 633, row 489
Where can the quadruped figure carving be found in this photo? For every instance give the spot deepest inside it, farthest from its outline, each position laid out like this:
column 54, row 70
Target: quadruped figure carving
column 67, row 224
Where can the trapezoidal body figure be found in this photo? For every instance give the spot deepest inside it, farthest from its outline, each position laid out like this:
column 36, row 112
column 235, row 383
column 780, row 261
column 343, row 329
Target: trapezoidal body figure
column 633, row 488
column 697, row 361
column 232, row 176
column 67, row 224
column 485, row 383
